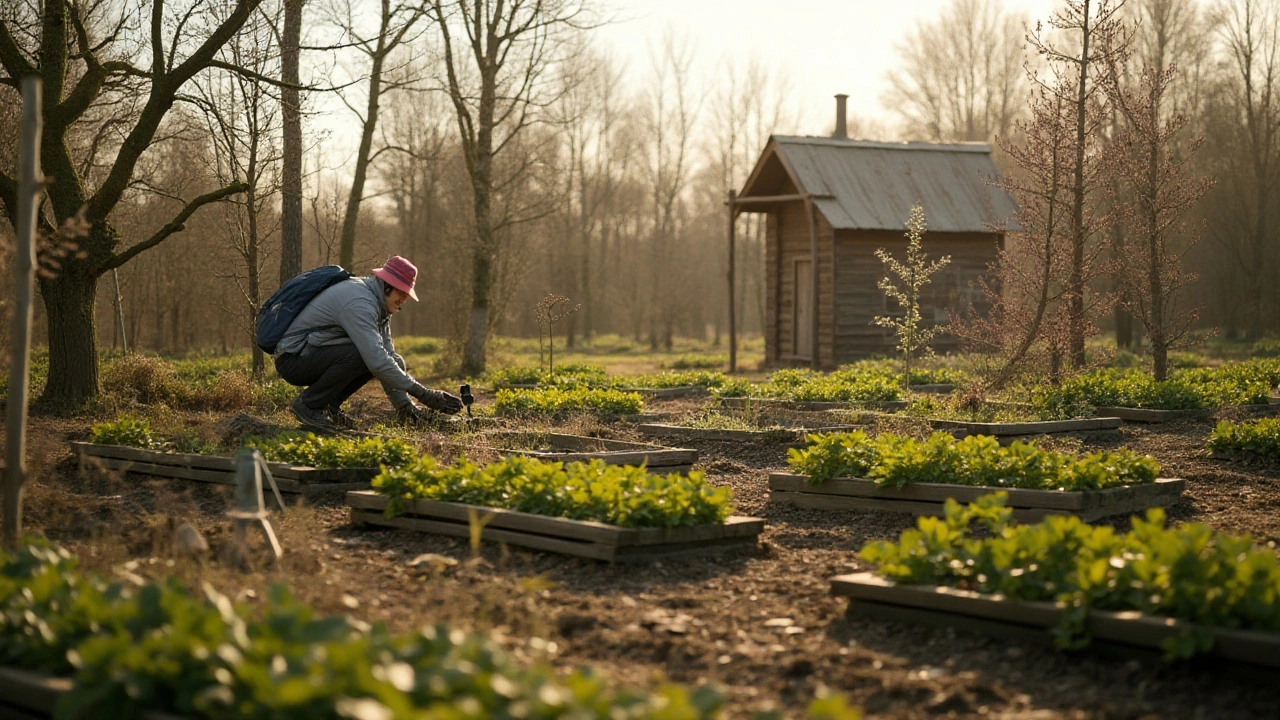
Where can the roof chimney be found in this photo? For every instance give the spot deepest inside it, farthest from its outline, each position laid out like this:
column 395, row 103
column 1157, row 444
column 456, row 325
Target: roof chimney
column 842, row 132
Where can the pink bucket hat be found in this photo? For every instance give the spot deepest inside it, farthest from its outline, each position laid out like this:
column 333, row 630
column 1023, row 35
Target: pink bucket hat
column 399, row 274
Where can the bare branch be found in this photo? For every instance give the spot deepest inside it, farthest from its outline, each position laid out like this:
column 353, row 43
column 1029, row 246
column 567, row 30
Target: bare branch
column 177, row 224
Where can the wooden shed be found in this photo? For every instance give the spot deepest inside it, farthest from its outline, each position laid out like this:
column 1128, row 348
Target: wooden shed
column 831, row 202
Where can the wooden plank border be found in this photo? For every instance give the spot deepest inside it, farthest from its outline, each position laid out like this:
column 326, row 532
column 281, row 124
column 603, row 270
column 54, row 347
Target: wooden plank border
column 580, row 538
column 739, row 403
column 1146, row 415
column 1031, row 428
column 578, row 448
column 869, row 594
column 217, row 469
column 791, row 490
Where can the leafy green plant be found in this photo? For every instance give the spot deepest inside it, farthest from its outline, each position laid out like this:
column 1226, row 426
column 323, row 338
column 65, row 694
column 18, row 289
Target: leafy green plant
column 126, row 430
column 311, row 450
column 670, row 379
column 1189, row 572
column 979, row 460
column 1247, row 383
column 618, row 495
column 160, row 648
column 1267, row 347
column 697, row 362
column 1256, row 437
column 554, row 401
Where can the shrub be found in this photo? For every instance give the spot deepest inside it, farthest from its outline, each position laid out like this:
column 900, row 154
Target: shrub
column 554, row 401
column 127, row 430
column 311, row 450
column 159, row 648
column 1258, row 437
column 143, row 379
column 618, row 495
column 1189, row 572
column 979, row 460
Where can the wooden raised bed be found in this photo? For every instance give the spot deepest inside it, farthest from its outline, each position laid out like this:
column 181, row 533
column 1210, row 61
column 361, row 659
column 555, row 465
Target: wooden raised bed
column 788, row 489
column 221, row 470
column 941, row 606
column 651, row 393
column 559, row 535
column 781, row 434
column 577, row 448
column 1010, row 431
column 1147, row 415
column 772, row 403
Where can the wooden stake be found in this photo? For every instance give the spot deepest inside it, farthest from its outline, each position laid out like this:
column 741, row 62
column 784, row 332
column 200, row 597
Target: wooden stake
column 733, row 324
column 30, row 189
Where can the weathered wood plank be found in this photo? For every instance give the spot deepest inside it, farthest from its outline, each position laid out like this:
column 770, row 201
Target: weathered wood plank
column 32, row 691
column 1089, row 504
column 585, row 549
column 1145, row 415
column 176, row 472
column 678, row 431
column 509, row 519
column 812, row 501
column 216, row 462
column 1031, row 428
column 611, row 542
column 1131, row 628
column 584, row 449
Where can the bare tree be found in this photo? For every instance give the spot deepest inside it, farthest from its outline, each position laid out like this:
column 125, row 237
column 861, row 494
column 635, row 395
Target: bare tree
column 497, row 54
column 1096, row 35
column 1161, row 193
column 396, row 25
column 82, row 55
column 672, row 108
column 241, row 117
column 961, row 75
column 1250, row 31
column 291, row 136
column 1025, row 288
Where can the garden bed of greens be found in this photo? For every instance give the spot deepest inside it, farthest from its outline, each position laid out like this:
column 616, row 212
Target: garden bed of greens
column 1182, row 591
column 1134, row 395
column 300, row 462
column 852, row 471
column 1251, row 438
column 593, row 510
column 561, row 447
column 73, row 644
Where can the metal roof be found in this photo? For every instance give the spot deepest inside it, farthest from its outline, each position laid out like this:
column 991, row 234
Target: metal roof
column 863, row 185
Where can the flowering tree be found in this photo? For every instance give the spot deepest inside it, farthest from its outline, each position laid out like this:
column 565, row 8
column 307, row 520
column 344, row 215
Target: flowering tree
column 913, row 275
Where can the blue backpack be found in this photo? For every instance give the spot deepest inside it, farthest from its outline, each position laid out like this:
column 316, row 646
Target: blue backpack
column 282, row 308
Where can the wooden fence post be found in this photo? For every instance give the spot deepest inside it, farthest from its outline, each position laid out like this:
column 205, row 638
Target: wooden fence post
column 30, row 190
column 733, row 316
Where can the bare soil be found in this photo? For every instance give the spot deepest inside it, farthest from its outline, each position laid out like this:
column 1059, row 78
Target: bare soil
column 760, row 623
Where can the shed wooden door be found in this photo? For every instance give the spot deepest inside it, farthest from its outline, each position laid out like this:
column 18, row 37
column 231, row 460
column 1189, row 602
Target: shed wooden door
column 802, row 330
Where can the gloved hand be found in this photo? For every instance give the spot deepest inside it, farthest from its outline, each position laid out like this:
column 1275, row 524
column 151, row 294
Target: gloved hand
column 439, row 400
column 412, row 415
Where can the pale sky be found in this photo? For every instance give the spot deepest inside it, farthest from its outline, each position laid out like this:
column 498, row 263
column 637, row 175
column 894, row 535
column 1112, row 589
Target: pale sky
column 826, row 46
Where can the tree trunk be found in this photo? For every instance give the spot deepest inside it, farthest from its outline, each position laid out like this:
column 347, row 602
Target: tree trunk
column 473, row 358
column 347, row 246
column 291, row 119
column 1075, row 347
column 73, row 345
column 255, row 291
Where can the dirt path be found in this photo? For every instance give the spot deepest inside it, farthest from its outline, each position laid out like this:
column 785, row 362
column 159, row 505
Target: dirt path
column 701, row 620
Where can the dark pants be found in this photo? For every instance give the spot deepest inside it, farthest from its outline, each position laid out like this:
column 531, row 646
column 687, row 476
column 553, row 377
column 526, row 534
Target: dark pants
column 331, row 374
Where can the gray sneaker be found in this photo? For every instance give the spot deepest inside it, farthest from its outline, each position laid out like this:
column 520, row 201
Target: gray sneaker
column 311, row 418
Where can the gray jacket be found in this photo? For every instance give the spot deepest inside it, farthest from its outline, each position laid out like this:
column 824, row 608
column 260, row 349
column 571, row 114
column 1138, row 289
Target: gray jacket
column 353, row 312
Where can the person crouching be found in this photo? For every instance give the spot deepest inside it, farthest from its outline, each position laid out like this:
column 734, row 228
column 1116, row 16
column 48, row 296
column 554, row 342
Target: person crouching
column 342, row 340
